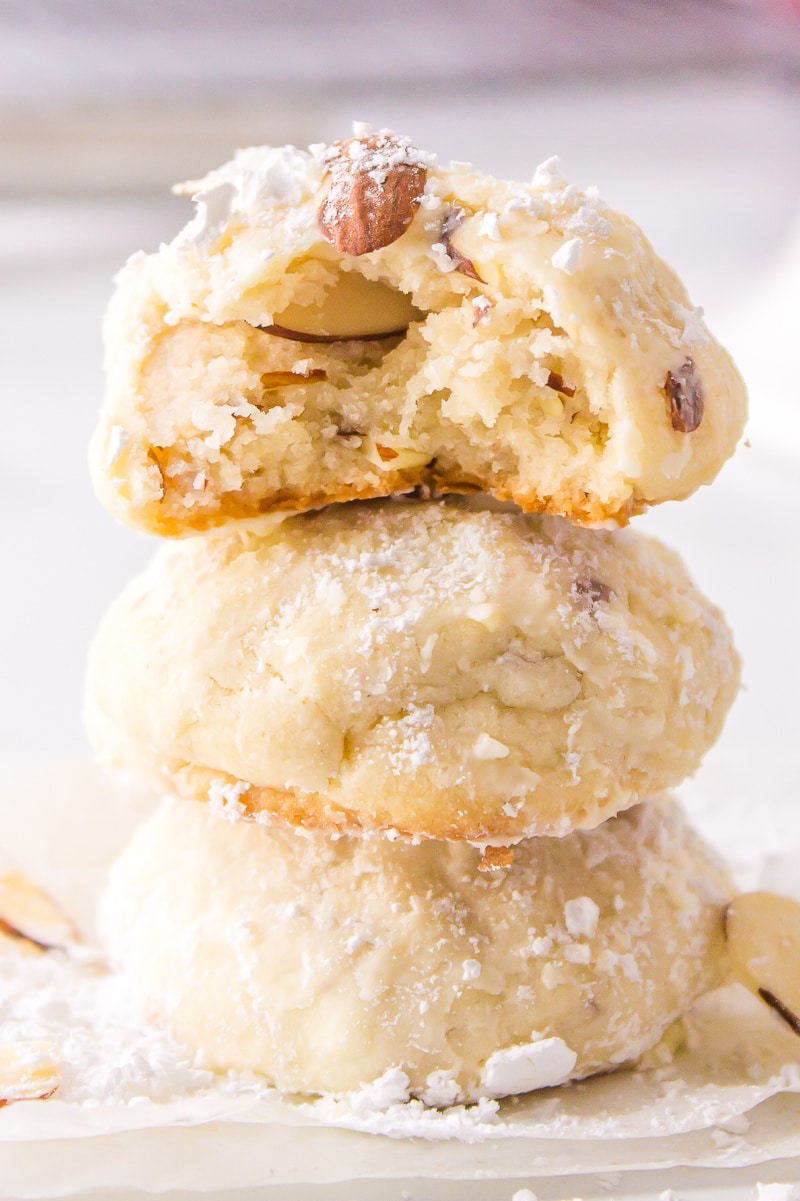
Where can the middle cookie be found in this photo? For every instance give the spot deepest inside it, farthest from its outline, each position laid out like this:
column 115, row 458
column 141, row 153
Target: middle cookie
column 437, row 670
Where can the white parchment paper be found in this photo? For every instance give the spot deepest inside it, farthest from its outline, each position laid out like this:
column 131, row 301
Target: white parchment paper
column 729, row 1097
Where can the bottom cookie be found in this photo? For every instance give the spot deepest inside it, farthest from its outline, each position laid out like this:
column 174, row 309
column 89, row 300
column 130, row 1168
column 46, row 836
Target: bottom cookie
column 322, row 963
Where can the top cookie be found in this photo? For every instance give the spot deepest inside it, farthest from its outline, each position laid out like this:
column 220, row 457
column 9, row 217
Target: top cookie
column 357, row 320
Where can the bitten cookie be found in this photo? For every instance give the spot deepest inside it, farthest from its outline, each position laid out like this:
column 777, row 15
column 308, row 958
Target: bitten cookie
column 434, row 670
column 325, row 963
column 357, row 320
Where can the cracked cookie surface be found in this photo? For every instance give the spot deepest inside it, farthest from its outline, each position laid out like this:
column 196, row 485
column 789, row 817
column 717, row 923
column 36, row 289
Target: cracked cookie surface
column 434, row 669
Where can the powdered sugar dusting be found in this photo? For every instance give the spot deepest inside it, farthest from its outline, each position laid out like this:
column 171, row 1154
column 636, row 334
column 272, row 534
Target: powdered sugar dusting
column 107, row 1056
column 374, row 155
column 410, row 745
column 257, row 178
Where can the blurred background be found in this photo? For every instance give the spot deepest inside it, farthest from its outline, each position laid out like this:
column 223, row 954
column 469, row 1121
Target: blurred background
column 685, row 114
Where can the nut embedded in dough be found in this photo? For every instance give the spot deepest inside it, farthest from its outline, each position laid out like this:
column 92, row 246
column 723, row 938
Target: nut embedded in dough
column 686, row 397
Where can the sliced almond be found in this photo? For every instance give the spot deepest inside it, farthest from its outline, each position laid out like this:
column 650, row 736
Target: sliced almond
column 296, row 335
column 371, row 193
column 462, row 264
column 353, row 309
column 12, row 943
column 394, row 458
column 29, row 1071
column 556, row 381
column 285, row 379
column 495, row 858
column 29, row 913
column 763, row 933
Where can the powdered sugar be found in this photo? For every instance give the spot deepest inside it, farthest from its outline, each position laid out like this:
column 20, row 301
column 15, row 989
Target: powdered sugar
column 542, row 1063
column 581, row 916
column 375, row 155
column 410, row 745
column 388, row 1090
column 105, row 1053
column 568, row 255
column 549, row 174
column 256, row 178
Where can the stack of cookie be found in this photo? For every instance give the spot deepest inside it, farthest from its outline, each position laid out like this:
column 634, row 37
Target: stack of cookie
column 429, row 717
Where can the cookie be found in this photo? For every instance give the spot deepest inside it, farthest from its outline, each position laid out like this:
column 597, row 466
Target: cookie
column 358, row 320
column 324, row 963
column 434, row 670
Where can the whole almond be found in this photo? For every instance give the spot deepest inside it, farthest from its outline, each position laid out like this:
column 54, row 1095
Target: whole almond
column 372, row 191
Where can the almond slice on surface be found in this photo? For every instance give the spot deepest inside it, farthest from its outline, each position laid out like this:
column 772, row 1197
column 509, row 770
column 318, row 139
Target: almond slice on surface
column 29, row 913
column 763, row 933
column 372, row 191
column 29, row 1071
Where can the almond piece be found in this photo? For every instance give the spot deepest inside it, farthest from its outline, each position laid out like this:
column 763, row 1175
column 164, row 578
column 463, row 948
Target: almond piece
column 12, row 943
column 463, row 265
column 763, row 933
column 373, row 189
column 589, row 592
column 685, row 397
column 29, row 1071
column 556, row 381
column 25, row 911
column 296, row 335
column 351, row 308
column 495, row 858
column 285, row 379
column 393, row 458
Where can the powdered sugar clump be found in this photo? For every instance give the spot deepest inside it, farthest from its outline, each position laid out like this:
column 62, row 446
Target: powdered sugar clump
column 549, row 174
column 541, row 1063
column 392, row 1088
column 581, row 916
column 223, row 798
column 567, row 257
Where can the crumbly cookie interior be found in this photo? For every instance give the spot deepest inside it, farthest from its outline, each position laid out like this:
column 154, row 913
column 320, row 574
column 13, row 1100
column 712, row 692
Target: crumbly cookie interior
column 241, row 416
column 518, row 339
